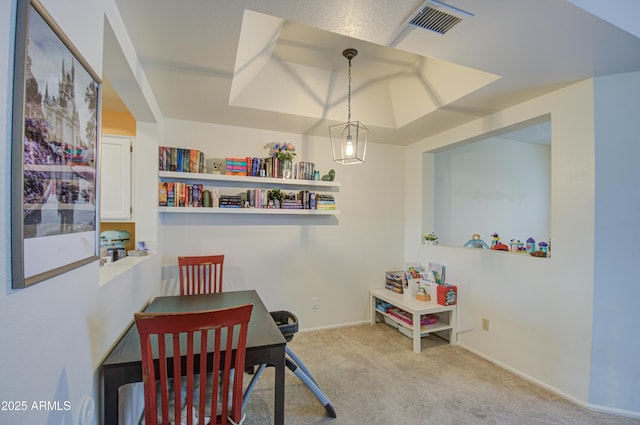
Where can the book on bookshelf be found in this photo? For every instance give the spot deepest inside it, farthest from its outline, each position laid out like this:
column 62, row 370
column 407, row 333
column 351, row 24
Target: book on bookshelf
column 162, row 194
column 181, row 160
column 194, row 162
column 173, row 159
column 236, row 166
column 186, row 160
column 291, row 204
column 170, row 194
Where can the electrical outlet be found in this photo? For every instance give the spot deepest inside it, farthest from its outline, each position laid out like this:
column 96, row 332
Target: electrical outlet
column 485, row 324
column 315, row 303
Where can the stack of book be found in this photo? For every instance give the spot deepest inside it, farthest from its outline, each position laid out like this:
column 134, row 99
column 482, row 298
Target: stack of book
column 325, row 202
column 181, row 160
column 236, row 166
column 291, row 204
column 230, row 201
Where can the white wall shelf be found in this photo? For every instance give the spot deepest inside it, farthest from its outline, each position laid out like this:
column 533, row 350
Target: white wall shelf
column 247, row 181
column 268, row 211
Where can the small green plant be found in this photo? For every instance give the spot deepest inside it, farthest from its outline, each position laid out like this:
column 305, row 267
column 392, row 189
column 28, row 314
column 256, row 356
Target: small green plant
column 274, row 194
column 430, row 237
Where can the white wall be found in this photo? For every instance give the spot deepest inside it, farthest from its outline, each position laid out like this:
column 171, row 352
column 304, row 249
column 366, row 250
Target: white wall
column 56, row 333
column 289, row 260
column 492, row 186
column 616, row 348
column 540, row 310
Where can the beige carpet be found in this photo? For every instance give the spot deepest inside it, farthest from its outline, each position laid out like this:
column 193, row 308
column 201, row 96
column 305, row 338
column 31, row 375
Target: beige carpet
column 372, row 376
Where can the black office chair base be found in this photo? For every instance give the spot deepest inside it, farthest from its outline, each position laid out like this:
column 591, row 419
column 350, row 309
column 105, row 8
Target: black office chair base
column 288, row 324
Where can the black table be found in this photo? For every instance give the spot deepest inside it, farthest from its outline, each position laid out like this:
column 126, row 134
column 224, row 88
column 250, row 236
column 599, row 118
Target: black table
column 265, row 345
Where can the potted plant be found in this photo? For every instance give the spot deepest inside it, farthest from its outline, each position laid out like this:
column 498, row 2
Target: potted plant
column 275, row 195
column 431, row 239
column 284, row 152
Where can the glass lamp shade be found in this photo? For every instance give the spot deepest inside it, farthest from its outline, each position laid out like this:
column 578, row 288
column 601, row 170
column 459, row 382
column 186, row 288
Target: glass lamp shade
column 349, row 142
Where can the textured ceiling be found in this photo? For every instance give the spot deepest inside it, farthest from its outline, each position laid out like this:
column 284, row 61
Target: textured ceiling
column 277, row 65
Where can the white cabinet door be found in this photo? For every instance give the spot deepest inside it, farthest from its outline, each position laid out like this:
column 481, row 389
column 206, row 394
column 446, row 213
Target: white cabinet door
column 115, row 178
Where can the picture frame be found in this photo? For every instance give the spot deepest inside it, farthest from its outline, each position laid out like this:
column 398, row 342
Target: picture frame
column 54, row 152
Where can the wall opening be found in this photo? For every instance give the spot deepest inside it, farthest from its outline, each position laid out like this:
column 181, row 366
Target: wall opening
column 496, row 183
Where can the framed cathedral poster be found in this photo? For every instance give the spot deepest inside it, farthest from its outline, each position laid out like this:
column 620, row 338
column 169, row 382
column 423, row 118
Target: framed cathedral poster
column 55, row 133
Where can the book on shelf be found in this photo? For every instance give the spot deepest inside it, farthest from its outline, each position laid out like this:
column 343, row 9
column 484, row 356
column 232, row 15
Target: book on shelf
column 236, row 166
column 194, row 161
column 162, row 194
column 163, row 158
column 303, row 197
column 291, row 204
column 322, row 197
column 181, row 160
column 322, row 204
column 312, row 201
column 257, row 198
column 230, row 201
column 196, row 195
column 173, row 158
column 171, row 194
column 436, row 273
column 268, row 166
column 304, row 170
column 186, row 160
column 394, row 281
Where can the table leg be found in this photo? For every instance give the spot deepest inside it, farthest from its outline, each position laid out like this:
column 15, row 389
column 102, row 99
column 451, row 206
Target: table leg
column 279, row 386
column 111, row 385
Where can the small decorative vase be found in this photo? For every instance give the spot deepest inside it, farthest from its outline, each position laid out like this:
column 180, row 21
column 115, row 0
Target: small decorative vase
column 287, row 169
column 207, row 201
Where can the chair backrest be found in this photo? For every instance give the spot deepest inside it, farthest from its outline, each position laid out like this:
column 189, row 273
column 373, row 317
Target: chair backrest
column 200, row 274
column 178, row 342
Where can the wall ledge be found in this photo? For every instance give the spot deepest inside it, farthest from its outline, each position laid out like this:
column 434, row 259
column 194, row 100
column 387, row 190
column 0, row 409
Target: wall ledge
column 110, row 271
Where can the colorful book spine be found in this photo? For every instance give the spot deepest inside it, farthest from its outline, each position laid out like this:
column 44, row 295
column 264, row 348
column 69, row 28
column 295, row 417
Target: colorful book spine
column 162, row 195
column 194, row 164
column 171, row 200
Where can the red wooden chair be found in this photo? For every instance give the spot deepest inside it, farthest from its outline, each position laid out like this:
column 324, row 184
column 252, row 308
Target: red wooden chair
column 200, row 274
column 172, row 345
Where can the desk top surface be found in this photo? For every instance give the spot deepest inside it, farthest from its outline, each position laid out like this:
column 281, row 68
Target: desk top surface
column 263, row 331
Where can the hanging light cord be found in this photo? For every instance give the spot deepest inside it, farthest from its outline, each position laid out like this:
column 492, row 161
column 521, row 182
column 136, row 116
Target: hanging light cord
column 349, row 102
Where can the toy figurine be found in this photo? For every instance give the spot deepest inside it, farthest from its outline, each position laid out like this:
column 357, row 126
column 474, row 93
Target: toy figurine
column 476, row 242
column 496, row 245
column 531, row 245
column 516, row 245
column 544, row 247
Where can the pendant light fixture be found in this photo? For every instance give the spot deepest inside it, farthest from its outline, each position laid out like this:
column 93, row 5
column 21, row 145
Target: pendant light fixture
column 349, row 140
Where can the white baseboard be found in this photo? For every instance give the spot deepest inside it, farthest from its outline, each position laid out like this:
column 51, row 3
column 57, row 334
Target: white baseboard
column 612, row 411
column 581, row 403
column 341, row 325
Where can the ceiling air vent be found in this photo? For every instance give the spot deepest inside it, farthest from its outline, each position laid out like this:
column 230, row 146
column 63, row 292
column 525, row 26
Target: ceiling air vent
column 438, row 17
